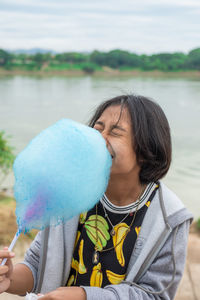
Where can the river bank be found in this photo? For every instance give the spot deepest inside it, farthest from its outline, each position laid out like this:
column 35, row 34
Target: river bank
column 104, row 72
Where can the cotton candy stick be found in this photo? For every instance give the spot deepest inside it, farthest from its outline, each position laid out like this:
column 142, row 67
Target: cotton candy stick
column 11, row 245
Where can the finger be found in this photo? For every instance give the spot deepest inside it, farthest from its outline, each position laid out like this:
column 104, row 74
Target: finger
column 3, row 270
column 6, row 251
column 2, row 278
column 47, row 296
column 6, row 254
column 40, row 296
column 4, row 285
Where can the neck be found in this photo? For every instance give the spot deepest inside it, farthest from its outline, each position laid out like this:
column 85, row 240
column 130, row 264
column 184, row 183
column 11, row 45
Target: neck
column 124, row 191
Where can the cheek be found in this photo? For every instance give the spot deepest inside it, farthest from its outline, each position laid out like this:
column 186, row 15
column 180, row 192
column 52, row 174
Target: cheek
column 127, row 156
column 123, row 153
column 118, row 148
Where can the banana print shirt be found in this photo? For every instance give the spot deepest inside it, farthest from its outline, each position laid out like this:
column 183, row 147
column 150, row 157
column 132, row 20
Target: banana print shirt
column 108, row 263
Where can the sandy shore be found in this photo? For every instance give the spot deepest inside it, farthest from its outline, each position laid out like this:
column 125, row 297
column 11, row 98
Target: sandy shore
column 189, row 288
column 106, row 71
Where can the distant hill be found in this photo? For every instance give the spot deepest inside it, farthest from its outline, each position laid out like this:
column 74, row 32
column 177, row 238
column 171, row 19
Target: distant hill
column 32, row 51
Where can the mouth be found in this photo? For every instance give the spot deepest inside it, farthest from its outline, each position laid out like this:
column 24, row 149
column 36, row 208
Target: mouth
column 111, row 150
column 112, row 154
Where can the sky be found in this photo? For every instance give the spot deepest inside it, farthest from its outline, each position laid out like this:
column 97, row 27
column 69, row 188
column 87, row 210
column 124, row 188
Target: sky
column 139, row 26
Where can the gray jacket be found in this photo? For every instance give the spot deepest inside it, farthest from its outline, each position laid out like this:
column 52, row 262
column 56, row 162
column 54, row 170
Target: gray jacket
column 156, row 264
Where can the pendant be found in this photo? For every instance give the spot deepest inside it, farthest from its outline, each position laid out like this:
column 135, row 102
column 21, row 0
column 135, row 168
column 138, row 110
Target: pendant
column 95, row 257
column 112, row 233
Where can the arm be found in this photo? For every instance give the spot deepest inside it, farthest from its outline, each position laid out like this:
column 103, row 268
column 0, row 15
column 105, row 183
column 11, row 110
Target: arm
column 68, row 293
column 21, row 280
column 14, row 280
column 23, row 276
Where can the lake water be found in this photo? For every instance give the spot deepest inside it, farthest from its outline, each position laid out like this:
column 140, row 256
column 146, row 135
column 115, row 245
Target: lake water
column 30, row 104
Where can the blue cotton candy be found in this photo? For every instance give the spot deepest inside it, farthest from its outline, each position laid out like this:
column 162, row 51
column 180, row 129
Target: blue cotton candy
column 62, row 172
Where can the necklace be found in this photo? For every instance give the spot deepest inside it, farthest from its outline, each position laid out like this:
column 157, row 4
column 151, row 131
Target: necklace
column 112, row 232
column 95, row 257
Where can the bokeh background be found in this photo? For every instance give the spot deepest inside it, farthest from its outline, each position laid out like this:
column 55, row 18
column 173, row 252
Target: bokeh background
column 36, row 90
column 60, row 59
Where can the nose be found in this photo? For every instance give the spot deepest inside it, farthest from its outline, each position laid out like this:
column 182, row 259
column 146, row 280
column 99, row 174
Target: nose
column 105, row 136
column 108, row 144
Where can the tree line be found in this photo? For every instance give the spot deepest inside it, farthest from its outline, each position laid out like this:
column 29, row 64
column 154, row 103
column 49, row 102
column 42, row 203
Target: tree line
column 96, row 60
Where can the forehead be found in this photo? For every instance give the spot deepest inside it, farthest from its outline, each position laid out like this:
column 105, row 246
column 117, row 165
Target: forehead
column 116, row 114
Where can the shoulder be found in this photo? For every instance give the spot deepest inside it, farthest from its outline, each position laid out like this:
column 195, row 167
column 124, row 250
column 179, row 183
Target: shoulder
column 171, row 201
column 173, row 206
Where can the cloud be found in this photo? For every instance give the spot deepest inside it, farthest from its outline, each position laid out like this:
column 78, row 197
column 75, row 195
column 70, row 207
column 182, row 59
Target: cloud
column 144, row 26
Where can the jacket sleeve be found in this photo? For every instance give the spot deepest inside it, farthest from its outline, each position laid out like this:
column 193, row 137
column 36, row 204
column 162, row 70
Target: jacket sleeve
column 32, row 256
column 156, row 278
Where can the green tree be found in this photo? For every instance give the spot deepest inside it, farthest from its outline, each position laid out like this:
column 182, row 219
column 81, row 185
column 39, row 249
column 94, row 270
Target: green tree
column 89, row 67
column 198, row 224
column 5, row 57
column 40, row 58
column 72, row 57
column 98, row 58
column 193, row 61
column 118, row 58
column 6, row 156
column 21, row 58
column 164, row 61
column 177, row 61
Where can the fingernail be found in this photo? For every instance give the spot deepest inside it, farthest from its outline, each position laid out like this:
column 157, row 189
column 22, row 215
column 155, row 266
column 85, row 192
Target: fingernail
column 12, row 254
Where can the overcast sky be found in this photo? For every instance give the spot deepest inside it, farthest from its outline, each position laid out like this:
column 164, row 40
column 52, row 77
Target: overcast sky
column 140, row 26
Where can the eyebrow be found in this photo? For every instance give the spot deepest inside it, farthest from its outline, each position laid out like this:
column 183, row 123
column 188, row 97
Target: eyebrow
column 112, row 127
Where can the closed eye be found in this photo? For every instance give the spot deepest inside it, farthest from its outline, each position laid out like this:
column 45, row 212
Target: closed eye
column 115, row 133
column 117, row 130
column 98, row 128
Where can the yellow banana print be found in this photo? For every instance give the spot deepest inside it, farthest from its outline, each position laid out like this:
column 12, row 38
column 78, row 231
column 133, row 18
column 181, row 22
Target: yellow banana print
column 77, row 238
column 75, row 264
column 137, row 229
column 70, row 281
column 147, row 203
column 114, row 278
column 83, row 217
column 81, row 267
column 120, row 233
column 96, row 278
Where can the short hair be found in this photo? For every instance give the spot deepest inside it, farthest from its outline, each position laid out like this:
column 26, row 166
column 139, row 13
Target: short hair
column 151, row 134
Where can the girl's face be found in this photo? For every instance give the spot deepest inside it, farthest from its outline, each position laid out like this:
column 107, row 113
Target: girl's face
column 118, row 136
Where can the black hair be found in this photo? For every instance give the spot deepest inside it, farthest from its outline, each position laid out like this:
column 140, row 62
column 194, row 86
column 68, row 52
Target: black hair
column 151, row 134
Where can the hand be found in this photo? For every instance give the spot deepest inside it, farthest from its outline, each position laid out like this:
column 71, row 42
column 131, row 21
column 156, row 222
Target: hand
column 66, row 293
column 6, row 270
